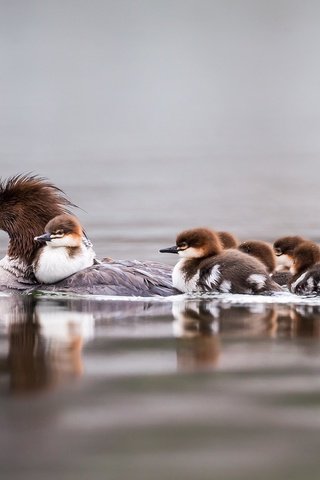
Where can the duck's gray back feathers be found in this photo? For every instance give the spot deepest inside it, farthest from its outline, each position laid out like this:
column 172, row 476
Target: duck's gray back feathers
column 120, row 278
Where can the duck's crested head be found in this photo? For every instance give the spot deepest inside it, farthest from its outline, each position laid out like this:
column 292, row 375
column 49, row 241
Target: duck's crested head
column 286, row 245
column 30, row 198
column 27, row 203
column 62, row 231
column 196, row 243
column 228, row 240
column 262, row 251
column 305, row 255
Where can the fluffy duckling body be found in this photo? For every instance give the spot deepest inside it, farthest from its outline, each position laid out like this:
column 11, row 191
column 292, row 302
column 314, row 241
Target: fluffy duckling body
column 305, row 269
column 206, row 267
column 228, row 240
column 66, row 250
column 260, row 250
column 282, row 277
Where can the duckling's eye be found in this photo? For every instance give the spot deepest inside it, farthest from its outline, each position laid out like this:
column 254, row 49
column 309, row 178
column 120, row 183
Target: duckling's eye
column 59, row 232
column 183, row 245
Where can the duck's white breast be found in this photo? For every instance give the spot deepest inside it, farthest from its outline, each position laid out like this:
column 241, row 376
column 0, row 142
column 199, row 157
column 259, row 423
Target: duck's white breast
column 179, row 279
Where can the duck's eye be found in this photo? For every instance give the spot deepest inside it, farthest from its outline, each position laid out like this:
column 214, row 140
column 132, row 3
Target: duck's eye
column 59, row 232
column 183, row 246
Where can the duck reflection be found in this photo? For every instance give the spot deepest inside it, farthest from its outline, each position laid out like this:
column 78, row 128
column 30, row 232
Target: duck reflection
column 42, row 338
column 27, row 359
column 196, row 327
column 306, row 321
column 201, row 326
column 45, row 343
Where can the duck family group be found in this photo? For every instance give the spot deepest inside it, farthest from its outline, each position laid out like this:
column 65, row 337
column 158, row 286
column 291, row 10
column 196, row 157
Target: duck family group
column 217, row 262
column 49, row 248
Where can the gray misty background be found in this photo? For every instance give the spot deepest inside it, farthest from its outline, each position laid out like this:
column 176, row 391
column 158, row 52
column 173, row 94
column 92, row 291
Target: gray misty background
column 159, row 115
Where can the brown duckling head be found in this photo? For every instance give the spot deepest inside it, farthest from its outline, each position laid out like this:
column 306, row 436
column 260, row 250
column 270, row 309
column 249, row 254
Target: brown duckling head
column 286, row 245
column 62, row 230
column 196, row 243
column 305, row 256
column 228, row 240
column 262, row 251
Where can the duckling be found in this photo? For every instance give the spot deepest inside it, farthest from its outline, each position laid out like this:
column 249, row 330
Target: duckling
column 228, row 240
column 305, row 269
column 206, row 267
column 66, row 250
column 285, row 246
column 262, row 251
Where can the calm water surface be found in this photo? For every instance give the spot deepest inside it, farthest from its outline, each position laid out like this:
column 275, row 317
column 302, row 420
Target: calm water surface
column 182, row 388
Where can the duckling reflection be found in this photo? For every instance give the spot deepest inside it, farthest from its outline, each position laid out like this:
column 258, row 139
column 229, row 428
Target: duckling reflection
column 45, row 344
column 274, row 321
column 202, row 316
column 195, row 317
column 248, row 320
column 306, row 321
column 196, row 327
column 201, row 326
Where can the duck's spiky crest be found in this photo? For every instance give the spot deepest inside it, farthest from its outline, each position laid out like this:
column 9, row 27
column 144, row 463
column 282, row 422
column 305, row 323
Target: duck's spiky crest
column 27, row 203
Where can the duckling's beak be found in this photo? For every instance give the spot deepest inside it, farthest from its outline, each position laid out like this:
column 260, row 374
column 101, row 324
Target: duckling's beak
column 46, row 237
column 169, row 250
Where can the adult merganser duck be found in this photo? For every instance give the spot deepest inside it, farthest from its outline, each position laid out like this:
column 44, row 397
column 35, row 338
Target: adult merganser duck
column 27, row 204
column 260, row 250
column 228, row 240
column 66, row 250
column 305, row 269
column 206, row 267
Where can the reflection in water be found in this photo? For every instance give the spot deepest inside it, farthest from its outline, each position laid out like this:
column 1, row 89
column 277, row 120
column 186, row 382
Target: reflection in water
column 45, row 343
column 132, row 405
column 27, row 356
column 306, row 321
column 196, row 328
column 46, row 335
column 199, row 326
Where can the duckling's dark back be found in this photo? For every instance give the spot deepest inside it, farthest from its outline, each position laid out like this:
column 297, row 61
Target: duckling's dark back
column 246, row 274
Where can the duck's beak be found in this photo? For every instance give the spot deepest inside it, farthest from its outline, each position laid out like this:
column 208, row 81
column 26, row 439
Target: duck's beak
column 46, row 237
column 169, row 250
